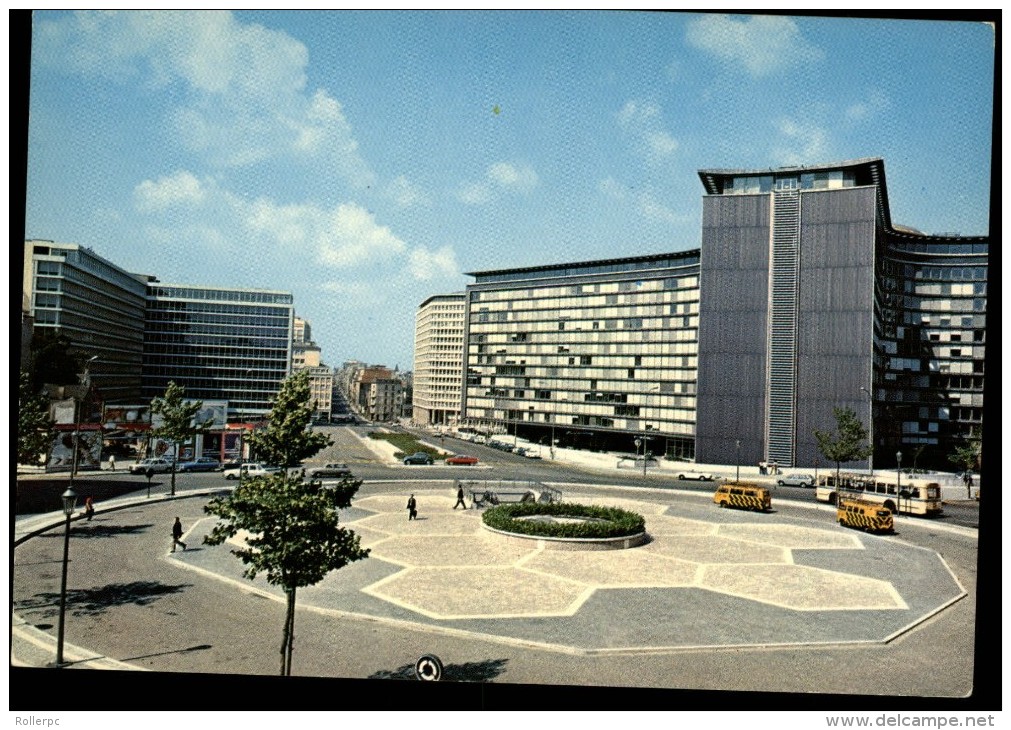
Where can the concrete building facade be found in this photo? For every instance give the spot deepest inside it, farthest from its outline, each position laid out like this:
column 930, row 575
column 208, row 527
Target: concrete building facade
column 802, row 297
column 438, row 359
column 69, row 290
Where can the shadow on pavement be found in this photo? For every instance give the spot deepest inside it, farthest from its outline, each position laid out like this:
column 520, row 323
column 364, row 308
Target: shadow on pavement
column 95, row 601
column 470, row 672
column 97, row 529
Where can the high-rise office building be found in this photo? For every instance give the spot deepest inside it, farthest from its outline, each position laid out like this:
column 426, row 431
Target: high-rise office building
column 802, row 297
column 438, row 359
column 69, row 290
column 219, row 343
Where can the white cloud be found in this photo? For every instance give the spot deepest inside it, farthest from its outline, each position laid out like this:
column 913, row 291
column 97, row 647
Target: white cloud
column 612, row 188
column 242, row 87
column 762, row 44
column 800, row 143
column 500, row 176
column 517, row 177
column 649, row 207
column 426, row 264
column 405, row 193
column 875, row 103
column 181, row 187
column 474, row 193
column 642, row 122
column 350, row 236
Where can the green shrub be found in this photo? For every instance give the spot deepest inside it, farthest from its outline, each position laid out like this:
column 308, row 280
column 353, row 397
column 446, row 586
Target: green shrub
column 616, row 522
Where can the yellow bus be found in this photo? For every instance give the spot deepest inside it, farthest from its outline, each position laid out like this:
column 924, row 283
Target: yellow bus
column 743, row 496
column 863, row 515
column 905, row 493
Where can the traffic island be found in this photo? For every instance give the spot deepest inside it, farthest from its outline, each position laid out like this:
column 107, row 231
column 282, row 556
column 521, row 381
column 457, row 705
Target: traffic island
column 567, row 526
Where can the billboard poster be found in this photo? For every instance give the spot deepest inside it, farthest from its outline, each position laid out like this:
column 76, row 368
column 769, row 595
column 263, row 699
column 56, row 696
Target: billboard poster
column 63, row 411
column 89, row 451
column 215, row 411
column 126, row 417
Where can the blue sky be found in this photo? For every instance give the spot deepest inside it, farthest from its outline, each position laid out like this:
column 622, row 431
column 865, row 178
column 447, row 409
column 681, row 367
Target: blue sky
column 365, row 160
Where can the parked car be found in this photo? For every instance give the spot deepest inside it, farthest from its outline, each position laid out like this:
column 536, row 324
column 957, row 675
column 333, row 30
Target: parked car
column 528, row 452
column 418, row 458
column 796, row 480
column 203, row 463
column 329, row 470
column 501, row 445
column 158, row 466
column 702, row 476
column 461, row 460
column 251, row 470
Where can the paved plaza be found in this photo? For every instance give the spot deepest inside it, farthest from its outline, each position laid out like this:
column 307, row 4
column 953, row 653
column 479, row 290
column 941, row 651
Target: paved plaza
column 707, row 578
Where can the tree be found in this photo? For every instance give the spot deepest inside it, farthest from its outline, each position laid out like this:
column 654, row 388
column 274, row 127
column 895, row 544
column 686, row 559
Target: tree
column 968, row 456
column 35, row 427
column 52, row 360
column 847, row 442
column 178, row 424
column 287, row 439
column 294, row 535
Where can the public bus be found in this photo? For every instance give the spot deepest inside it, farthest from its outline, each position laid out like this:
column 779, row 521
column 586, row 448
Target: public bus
column 898, row 493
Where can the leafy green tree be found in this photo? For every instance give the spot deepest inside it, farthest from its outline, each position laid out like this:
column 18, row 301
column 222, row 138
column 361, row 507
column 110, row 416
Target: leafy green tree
column 52, row 360
column 35, row 427
column 287, row 440
column 178, row 419
column 847, row 442
column 968, row 456
column 294, row 533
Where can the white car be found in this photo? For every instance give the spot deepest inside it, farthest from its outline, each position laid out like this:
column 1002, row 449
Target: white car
column 250, row 470
column 796, row 480
column 701, row 476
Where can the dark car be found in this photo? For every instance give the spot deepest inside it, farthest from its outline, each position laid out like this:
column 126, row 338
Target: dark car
column 461, row 460
column 419, row 458
column 203, row 463
column 329, row 470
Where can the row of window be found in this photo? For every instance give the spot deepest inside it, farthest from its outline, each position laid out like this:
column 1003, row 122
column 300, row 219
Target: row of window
column 220, row 295
column 604, row 267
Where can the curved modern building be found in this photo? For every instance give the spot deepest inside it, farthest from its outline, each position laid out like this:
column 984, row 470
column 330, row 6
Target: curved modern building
column 802, row 297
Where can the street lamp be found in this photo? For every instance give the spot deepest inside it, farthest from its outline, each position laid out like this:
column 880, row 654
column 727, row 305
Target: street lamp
column 242, row 431
column 78, row 402
column 69, row 498
column 898, row 480
column 870, row 430
column 737, row 451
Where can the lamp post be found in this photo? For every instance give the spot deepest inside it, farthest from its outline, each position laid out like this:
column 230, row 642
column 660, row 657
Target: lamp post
column 78, row 402
column 898, row 480
column 870, row 430
column 242, row 431
column 69, row 503
column 737, row 451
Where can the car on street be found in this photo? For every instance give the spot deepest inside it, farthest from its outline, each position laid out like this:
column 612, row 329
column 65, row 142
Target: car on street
column 329, row 470
column 251, row 470
column 157, row 466
column 701, row 476
column 202, row 463
column 528, row 452
column 461, row 460
column 796, row 480
column 418, row 458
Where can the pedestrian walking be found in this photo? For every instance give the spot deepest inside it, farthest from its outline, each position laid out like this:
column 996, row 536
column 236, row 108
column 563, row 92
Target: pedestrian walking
column 412, row 509
column 177, row 534
column 89, row 507
column 459, row 496
column 967, row 478
column 762, row 469
column 112, row 462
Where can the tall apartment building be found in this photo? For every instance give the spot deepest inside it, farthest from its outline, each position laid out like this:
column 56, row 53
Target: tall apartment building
column 68, row 289
column 321, row 387
column 301, row 330
column 594, row 354
column 802, row 297
column 377, row 393
column 219, row 343
column 438, row 359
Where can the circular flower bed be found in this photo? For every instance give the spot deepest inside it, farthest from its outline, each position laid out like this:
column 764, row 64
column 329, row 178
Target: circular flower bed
column 572, row 521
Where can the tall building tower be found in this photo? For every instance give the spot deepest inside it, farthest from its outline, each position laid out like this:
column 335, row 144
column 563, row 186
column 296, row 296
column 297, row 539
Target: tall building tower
column 811, row 299
column 70, row 290
column 438, row 359
column 220, row 344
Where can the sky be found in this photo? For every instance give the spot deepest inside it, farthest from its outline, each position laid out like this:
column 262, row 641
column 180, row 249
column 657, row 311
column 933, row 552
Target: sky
column 367, row 160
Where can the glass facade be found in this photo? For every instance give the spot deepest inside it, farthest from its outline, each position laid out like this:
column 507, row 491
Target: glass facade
column 930, row 345
column 220, row 344
column 600, row 351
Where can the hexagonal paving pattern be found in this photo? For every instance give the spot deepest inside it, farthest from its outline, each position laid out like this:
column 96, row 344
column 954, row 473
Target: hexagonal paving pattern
column 450, row 550
column 454, row 593
column 802, row 588
column 620, row 568
column 792, row 537
column 716, row 549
